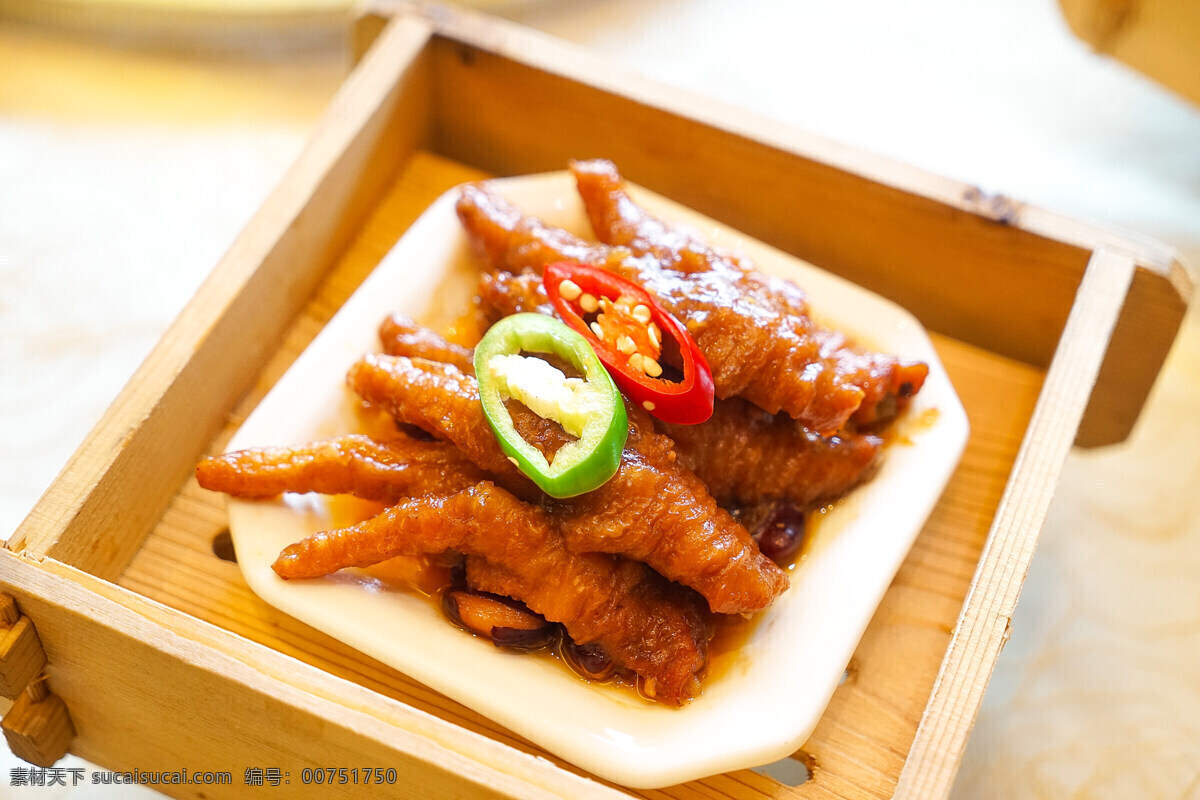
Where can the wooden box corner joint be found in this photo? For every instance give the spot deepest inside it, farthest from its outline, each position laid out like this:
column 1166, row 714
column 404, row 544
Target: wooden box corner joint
column 38, row 727
column 21, row 655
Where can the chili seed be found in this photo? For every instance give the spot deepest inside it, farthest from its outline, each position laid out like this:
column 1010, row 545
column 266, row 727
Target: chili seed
column 648, row 405
column 588, row 302
column 653, row 331
column 641, row 313
column 515, row 463
column 596, row 329
column 651, row 367
column 635, row 361
column 626, row 345
column 569, row 290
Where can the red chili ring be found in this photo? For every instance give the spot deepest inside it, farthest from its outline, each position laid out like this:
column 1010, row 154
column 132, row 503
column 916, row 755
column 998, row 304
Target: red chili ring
column 688, row 401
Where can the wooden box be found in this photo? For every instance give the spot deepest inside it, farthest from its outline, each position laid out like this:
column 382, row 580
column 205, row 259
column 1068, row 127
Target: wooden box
column 1052, row 332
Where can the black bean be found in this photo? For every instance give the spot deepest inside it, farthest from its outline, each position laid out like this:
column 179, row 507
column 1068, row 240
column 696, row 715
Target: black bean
column 781, row 535
column 589, row 660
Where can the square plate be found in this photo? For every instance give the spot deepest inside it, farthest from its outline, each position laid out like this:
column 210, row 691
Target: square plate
column 761, row 701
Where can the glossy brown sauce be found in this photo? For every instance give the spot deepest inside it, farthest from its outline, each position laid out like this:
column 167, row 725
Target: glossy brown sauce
column 915, row 424
column 467, row 329
column 726, row 652
column 431, row 576
column 426, row 575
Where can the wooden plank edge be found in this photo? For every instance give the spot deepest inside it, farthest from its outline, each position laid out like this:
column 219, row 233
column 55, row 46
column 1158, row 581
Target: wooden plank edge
column 475, row 764
column 983, row 626
column 581, row 65
column 1163, row 285
column 261, row 283
column 1158, row 39
column 1154, row 310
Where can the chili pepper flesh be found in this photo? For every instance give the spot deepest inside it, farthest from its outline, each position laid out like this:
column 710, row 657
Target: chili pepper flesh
column 588, row 408
column 649, row 353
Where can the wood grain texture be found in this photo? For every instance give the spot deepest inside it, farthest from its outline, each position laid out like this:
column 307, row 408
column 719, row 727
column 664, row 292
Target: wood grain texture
column 21, row 656
column 38, row 726
column 152, row 688
column 931, row 244
column 1158, row 37
column 119, row 481
column 860, row 744
column 983, row 628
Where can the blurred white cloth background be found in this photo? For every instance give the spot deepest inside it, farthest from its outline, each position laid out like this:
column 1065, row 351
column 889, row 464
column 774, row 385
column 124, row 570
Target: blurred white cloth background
column 127, row 173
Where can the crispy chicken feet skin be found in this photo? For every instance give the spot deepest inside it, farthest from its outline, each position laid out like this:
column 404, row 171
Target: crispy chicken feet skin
column 502, row 294
column 442, row 400
column 750, row 345
column 653, row 510
column 754, row 329
column 644, row 623
column 402, row 336
column 742, row 454
column 884, row 380
column 353, row 464
column 745, row 455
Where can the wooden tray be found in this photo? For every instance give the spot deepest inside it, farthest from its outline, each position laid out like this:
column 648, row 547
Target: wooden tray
column 164, row 658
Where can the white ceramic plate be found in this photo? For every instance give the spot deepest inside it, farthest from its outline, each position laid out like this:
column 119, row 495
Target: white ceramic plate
column 764, row 700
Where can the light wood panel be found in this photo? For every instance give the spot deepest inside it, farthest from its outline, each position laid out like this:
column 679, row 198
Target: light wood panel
column 861, row 741
column 983, row 628
column 932, row 244
column 157, row 690
column 119, row 481
column 1159, row 37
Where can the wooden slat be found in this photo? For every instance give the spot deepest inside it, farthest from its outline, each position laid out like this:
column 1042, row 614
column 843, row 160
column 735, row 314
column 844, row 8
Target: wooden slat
column 117, row 484
column 152, row 688
column 983, row 628
column 1157, row 37
column 931, row 244
column 860, row 743
column 794, row 191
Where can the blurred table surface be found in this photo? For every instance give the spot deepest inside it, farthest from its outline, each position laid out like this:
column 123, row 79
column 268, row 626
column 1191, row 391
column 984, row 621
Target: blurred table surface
column 127, row 168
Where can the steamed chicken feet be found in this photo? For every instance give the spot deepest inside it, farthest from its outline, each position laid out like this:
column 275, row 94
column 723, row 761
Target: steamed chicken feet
column 652, row 510
column 745, row 455
column 643, row 622
column 353, row 464
column 401, row 336
column 751, row 340
column 442, row 400
column 742, row 453
column 504, row 293
column 618, row 221
column 687, row 262
column 671, row 621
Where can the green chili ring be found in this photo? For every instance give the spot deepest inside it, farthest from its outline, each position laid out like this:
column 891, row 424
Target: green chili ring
column 580, row 466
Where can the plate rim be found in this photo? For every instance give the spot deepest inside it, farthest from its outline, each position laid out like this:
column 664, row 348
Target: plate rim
column 639, row 767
